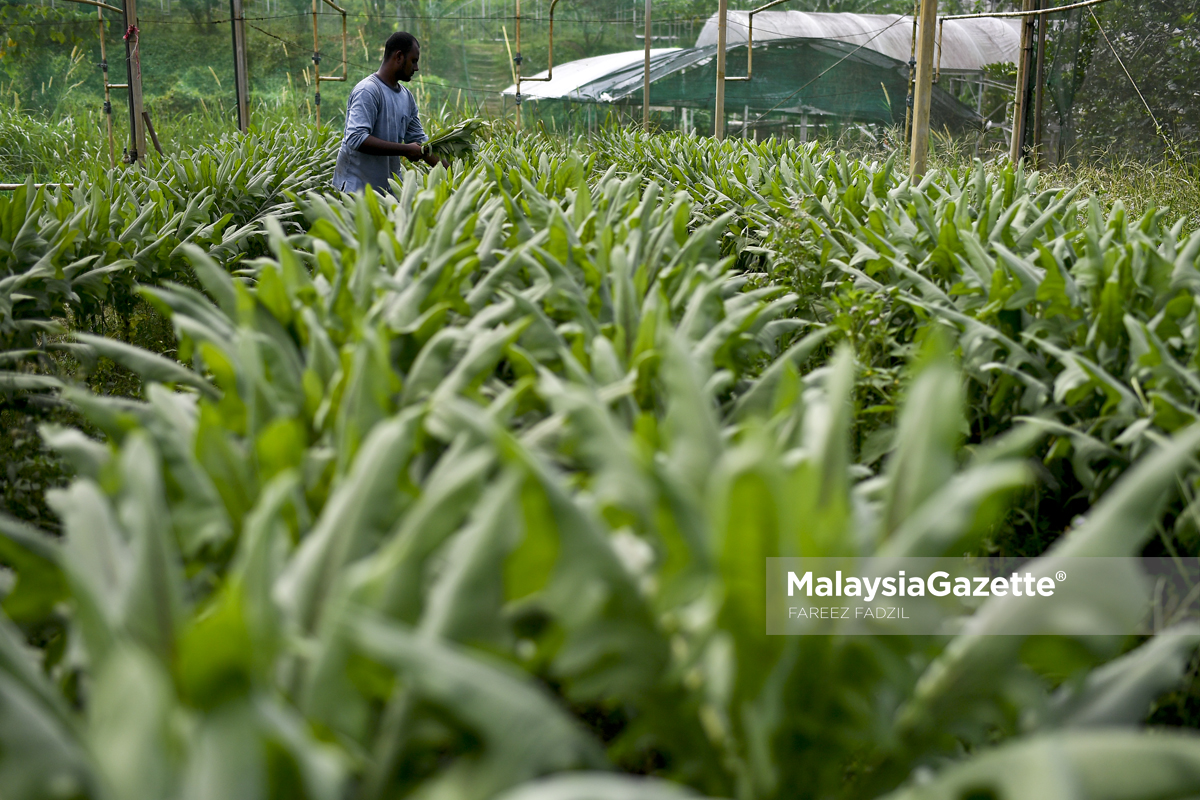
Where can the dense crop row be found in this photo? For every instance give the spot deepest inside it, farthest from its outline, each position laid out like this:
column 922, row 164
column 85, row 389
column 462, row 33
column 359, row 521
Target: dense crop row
column 445, row 493
column 1061, row 310
column 79, row 250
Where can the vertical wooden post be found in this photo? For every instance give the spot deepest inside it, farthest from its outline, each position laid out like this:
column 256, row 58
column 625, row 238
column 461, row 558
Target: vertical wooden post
column 646, row 75
column 719, row 110
column 1039, row 90
column 922, row 91
column 1016, row 145
column 133, row 67
column 240, row 82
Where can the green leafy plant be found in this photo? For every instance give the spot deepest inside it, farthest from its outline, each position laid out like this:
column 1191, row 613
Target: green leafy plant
column 458, row 140
column 466, row 492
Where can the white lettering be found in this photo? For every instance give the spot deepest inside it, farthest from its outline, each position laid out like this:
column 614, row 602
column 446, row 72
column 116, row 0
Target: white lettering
column 798, row 583
column 871, row 588
column 943, row 588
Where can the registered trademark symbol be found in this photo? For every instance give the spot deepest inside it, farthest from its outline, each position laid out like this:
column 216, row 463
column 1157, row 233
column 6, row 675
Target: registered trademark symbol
column 1060, row 575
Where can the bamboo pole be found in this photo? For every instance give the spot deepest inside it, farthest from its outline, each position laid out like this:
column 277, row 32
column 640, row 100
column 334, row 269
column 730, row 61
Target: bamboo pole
column 1039, row 91
column 1020, row 102
column 719, row 109
column 517, row 60
column 923, row 89
column 98, row 4
column 150, row 129
column 646, row 75
column 240, row 83
column 912, row 73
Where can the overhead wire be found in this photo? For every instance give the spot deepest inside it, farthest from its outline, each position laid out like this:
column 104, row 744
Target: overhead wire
column 161, row 21
column 422, row 17
column 1158, row 128
column 1022, row 14
column 143, row 20
column 354, row 63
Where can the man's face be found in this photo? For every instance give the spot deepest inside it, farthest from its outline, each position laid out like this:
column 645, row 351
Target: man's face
column 408, row 63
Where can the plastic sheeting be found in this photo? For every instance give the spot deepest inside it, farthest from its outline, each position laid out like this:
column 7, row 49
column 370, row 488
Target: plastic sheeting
column 795, row 76
column 570, row 78
column 967, row 44
column 856, row 69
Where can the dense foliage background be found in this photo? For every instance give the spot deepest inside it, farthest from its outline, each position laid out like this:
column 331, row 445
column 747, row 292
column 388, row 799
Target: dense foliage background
column 48, row 57
column 464, row 491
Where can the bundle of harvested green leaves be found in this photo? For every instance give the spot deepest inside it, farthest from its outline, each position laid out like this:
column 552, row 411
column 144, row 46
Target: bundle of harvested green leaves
column 457, row 141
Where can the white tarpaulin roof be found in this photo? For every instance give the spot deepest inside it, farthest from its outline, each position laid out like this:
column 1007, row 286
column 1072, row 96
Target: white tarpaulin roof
column 968, row 44
column 569, row 77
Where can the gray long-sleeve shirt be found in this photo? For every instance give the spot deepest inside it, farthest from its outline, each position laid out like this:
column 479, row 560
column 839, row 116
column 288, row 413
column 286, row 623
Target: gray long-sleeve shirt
column 375, row 109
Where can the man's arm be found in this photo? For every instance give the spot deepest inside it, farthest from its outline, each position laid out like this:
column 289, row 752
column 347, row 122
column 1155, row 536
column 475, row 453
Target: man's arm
column 374, row 146
column 415, row 134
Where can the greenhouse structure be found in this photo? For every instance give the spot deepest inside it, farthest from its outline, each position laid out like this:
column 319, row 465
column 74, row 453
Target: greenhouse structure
column 808, row 68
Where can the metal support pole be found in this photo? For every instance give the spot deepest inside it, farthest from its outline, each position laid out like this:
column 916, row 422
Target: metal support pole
column 316, row 56
column 316, row 59
column 517, row 59
column 750, row 38
column 646, row 75
column 108, row 126
column 912, row 73
column 108, row 87
column 719, row 110
column 133, row 67
column 1016, row 146
column 922, row 90
column 240, row 83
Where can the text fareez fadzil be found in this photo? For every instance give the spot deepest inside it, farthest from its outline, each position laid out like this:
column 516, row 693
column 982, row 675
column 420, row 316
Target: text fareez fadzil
column 843, row 612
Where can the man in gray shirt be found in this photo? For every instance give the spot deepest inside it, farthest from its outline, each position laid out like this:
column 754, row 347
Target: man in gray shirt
column 381, row 122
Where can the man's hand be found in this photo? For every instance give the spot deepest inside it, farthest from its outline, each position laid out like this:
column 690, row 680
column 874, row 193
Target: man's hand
column 374, row 146
column 433, row 160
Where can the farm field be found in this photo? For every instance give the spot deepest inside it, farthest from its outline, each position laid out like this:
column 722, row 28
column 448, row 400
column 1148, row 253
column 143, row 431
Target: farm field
column 465, row 492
